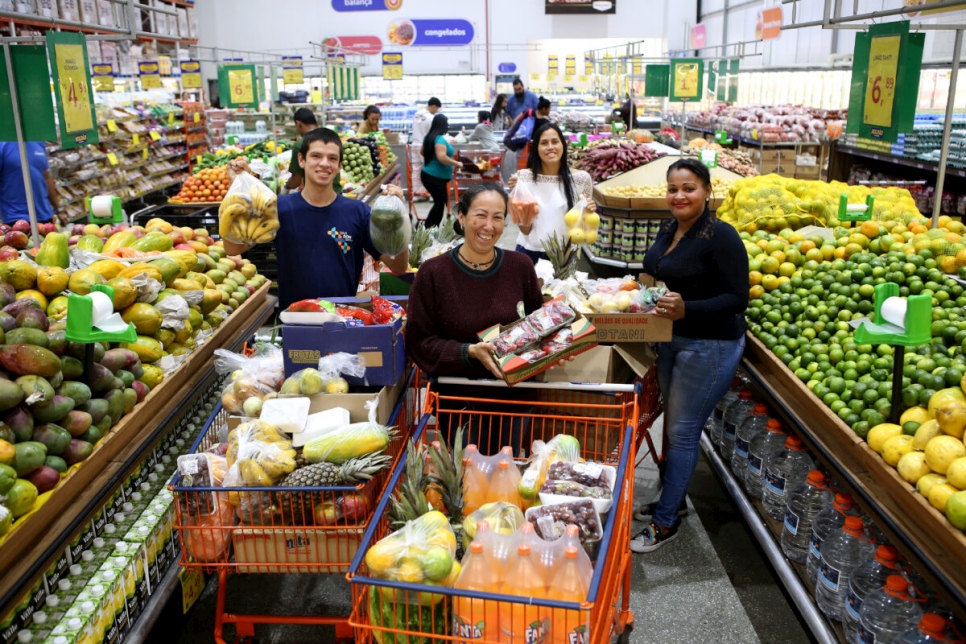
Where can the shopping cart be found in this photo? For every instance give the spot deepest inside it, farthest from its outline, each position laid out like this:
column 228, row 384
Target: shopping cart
column 286, row 529
column 479, row 166
column 605, row 419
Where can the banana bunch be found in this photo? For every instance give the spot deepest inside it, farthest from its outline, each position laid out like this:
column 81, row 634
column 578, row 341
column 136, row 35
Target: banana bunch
column 262, row 453
column 250, row 218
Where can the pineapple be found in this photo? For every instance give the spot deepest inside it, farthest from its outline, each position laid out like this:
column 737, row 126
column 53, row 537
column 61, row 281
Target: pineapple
column 410, row 503
column 446, row 233
column 324, row 475
column 563, row 255
column 422, row 239
column 447, row 475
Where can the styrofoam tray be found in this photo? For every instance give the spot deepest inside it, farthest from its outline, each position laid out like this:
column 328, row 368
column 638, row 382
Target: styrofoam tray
column 309, row 318
column 601, row 505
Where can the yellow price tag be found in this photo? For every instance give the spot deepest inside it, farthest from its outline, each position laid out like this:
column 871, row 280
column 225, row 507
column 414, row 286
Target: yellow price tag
column 198, row 159
column 154, row 135
column 170, row 117
column 192, row 585
column 73, row 78
column 242, row 86
column 112, row 158
column 686, row 80
column 197, row 117
column 144, row 154
column 880, row 87
column 111, row 125
column 135, row 139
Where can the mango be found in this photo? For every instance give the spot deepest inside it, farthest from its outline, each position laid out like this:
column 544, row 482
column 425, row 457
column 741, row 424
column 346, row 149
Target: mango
column 11, row 394
column 7, row 476
column 140, row 389
column 21, row 498
column 57, row 342
column 79, row 392
column 198, row 278
column 137, row 370
column 53, row 251
column 19, row 274
column 96, row 407
column 24, row 359
column 165, row 337
column 211, row 300
column 57, row 463
column 20, row 422
column 208, row 261
column 36, row 389
column 7, row 293
column 44, row 478
column 125, row 292
column 7, row 451
column 122, row 239
column 71, row 367
column 126, row 376
column 217, row 276
column 55, row 437
column 56, row 380
column 115, row 405
column 152, row 375
column 94, row 434
column 57, row 309
column 104, row 425
column 19, row 305
column 116, row 359
column 7, row 321
column 101, row 379
column 148, row 349
column 248, row 269
column 153, row 241
column 186, row 258
column 159, row 224
column 77, row 422
column 30, row 456
column 130, row 398
column 107, row 268
column 90, row 243
column 28, row 335
column 52, row 411
column 145, row 318
column 52, row 280
column 76, row 349
column 83, row 280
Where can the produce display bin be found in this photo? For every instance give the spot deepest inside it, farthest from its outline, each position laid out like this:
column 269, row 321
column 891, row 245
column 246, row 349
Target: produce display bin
column 190, row 215
column 604, row 418
column 283, row 534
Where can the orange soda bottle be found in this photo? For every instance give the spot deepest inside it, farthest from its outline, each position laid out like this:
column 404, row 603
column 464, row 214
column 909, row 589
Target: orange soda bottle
column 570, row 585
column 522, row 623
column 505, row 483
column 474, row 487
column 476, row 619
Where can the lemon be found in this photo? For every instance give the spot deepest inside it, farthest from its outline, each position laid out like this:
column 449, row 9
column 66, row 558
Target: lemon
column 879, row 434
column 951, row 416
column 453, row 575
column 437, row 563
column 956, row 509
column 912, row 467
column 443, row 538
column 943, row 395
column 926, row 432
column 956, row 473
column 577, row 235
column 571, row 219
column 942, row 451
column 939, row 495
column 917, row 414
column 895, row 448
column 410, row 572
column 380, row 558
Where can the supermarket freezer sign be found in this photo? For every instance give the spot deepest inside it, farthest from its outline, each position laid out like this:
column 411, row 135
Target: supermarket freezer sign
column 72, row 86
column 422, row 33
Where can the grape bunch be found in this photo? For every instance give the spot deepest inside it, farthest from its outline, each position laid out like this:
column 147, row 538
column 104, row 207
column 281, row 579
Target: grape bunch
column 550, row 521
column 572, row 488
column 578, row 473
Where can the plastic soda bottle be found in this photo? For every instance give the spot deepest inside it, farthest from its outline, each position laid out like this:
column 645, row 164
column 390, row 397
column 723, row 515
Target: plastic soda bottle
column 783, row 473
column 763, row 448
column 569, row 585
column 804, row 505
column 931, row 628
column 716, row 422
column 843, row 552
column 476, row 619
column 866, row 579
column 888, row 613
column 733, row 417
column 827, row 521
column 505, row 483
column 572, row 538
column 755, row 423
column 524, row 623
column 474, row 485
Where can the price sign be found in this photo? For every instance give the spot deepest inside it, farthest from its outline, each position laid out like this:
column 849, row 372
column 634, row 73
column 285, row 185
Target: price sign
column 192, row 585
column 112, row 158
column 880, row 87
column 111, row 125
column 135, row 139
column 392, row 65
column 196, row 117
column 709, row 158
column 292, row 70
column 154, row 135
column 686, row 79
column 144, row 154
column 241, row 84
column 170, row 118
column 103, row 77
column 150, row 74
column 73, row 90
column 190, row 73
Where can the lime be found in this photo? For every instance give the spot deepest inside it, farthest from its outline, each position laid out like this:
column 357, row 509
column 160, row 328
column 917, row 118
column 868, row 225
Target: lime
column 909, row 427
column 861, row 428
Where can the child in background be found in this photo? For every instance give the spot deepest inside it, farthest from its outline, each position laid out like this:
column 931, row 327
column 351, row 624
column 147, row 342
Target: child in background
column 483, row 132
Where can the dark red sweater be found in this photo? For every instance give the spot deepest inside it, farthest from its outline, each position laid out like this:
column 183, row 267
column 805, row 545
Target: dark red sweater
column 450, row 303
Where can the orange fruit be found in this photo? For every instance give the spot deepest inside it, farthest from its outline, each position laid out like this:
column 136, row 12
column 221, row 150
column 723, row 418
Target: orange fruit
column 870, row 229
column 770, row 282
column 754, row 277
column 779, row 255
column 756, row 291
column 806, row 246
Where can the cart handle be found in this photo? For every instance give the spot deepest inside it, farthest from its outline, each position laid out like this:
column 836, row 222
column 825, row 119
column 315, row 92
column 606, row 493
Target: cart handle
column 570, row 386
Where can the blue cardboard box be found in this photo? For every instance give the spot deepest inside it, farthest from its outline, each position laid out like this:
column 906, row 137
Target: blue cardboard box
column 382, row 346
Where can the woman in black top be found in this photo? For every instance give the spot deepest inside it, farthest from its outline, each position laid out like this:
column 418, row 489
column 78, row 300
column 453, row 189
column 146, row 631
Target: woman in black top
column 704, row 265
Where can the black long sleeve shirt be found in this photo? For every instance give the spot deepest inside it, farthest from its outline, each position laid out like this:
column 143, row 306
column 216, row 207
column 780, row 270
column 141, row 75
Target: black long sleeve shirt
column 709, row 269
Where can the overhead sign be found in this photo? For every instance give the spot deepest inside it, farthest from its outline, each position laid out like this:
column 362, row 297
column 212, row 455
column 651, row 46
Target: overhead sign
column 392, row 66
column 292, row 70
column 190, row 73
column 366, row 5
column 423, row 33
column 769, row 25
column 150, row 75
column 72, row 85
column 588, row 64
column 570, row 65
column 33, row 91
column 925, row 3
column 103, row 76
column 698, row 36
column 507, row 68
column 552, row 65
column 580, row 6
column 686, row 79
column 368, row 45
column 237, row 85
column 657, row 80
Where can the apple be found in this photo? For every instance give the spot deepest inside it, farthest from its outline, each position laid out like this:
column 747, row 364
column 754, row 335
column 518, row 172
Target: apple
column 78, row 229
column 8, row 253
column 22, row 225
column 16, row 238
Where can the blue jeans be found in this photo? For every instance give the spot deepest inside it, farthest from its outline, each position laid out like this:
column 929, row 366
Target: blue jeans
column 693, row 375
column 534, row 255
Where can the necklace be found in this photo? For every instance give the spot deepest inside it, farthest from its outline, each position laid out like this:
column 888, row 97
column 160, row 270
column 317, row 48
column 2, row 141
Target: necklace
column 474, row 265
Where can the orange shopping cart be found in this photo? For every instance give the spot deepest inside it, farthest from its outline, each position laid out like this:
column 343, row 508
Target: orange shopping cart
column 295, row 530
column 607, row 420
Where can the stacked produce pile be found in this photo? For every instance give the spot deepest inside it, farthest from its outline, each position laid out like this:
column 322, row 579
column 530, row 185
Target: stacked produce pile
column 206, row 186
column 773, row 123
column 182, row 289
column 719, row 187
column 608, row 157
column 364, row 159
column 264, row 150
column 572, row 120
column 805, row 291
column 738, row 161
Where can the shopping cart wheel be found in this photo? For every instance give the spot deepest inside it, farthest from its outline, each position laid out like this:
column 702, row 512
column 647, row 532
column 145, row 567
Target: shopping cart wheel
column 625, row 637
column 244, row 640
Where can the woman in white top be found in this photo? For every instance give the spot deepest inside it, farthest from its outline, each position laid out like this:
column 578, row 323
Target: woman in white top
column 554, row 186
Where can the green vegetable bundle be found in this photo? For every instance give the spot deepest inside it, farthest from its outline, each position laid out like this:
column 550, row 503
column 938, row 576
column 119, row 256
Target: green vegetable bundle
column 389, row 226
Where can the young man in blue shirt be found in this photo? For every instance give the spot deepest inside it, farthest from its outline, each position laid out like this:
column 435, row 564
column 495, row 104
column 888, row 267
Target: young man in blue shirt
column 323, row 236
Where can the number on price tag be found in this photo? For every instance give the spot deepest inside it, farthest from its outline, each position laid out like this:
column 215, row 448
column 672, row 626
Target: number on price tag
column 192, row 585
column 144, row 154
column 880, row 88
column 241, row 83
column 197, row 117
column 112, row 158
column 154, row 135
column 135, row 139
column 111, row 125
column 170, row 117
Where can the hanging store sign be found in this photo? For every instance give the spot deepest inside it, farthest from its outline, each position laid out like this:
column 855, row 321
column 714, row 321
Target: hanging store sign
column 686, row 79
column 237, row 85
column 368, row 45
column 885, row 58
column 570, row 65
column 579, row 6
column 657, row 80
column 712, row 86
column 366, row 5
column 343, row 82
column 423, row 33
column 33, row 90
column 73, row 91
column 552, row 66
column 769, row 25
column 392, row 66
column 103, row 76
column 588, row 64
column 637, row 66
column 699, row 35
column 150, row 75
column 292, row 70
column 507, row 68
column 733, row 80
column 190, row 74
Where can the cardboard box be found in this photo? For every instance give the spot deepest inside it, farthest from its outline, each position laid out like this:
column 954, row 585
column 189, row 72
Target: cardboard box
column 69, row 9
column 381, row 345
column 616, row 364
column 309, row 546
column 88, row 11
column 808, row 172
column 632, row 327
column 770, row 154
column 48, row 9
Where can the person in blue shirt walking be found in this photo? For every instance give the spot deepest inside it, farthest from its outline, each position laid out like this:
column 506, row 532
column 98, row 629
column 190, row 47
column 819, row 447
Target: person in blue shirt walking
column 521, row 100
column 323, row 236
column 13, row 196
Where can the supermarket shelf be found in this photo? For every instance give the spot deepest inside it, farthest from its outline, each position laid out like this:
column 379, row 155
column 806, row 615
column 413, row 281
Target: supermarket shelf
column 753, row 142
column 376, row 184
column 29, row 20
column 32, row 546
column 820, row 627
column 604, row 261
column 167, row 171
column 903, row 161
column 159, row 599
column 919, row 531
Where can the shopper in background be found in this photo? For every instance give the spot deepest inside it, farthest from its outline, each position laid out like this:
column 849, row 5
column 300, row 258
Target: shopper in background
column 316, row 95
column 541, row 117
column 704, row 265
column 498, row 115
column 370, row 120
column 323, row 237
column 421, row 124
column 13, row 194
column 554, row 186
column 521, row 100
column 628, row 112
column 438, row 164
column 304, row 122
column 483, row 132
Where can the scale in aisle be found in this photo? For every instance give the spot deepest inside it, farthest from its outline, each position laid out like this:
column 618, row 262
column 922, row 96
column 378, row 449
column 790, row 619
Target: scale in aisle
column 91, row 318
column 105, row 209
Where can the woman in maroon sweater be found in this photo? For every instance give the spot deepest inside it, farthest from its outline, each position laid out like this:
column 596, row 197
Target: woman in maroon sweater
column 468, row 289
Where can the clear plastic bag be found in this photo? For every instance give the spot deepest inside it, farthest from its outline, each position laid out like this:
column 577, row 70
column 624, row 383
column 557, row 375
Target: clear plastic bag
column 560, row 448
column 648, row 298
column 515, row 339
column 389, row 225
column 266, row 366
column 239, row 391
column 327, row 378
column 550, row 317
column 523, row 205
column 438, row 248
column 351, row 441
column 249, row 212
column 258, row 455
column 503, row 518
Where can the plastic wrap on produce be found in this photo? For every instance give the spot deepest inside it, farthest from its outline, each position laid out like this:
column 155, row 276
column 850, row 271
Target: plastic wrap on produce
column 148, row 287
column 174, row 312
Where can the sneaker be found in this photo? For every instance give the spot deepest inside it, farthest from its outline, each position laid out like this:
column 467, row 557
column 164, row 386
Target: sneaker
column 651, row 538
column 646, row 512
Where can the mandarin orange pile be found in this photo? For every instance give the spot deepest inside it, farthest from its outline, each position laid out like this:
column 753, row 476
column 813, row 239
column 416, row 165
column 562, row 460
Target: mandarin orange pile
column 209, row 185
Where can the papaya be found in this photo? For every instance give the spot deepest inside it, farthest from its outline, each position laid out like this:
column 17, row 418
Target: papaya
column 101, row 379
column 148, row 349
column 31, row 293
column 57, row 341
column 115, row 405
column 159, row 224
column 130, row 400
column 53, row 251
column 107, row 268
column 195, row 317
column 77, row 422
column 125, row 292
column 153, row 375
column 21, row 498
column 152, row 241
column 170, row 269
column 7, row 451
column 71, row 367
column 91, row 243
column 79, row 392
column 19, row 274
column 177, row 349
column 28, row 335
column 142, row 267
column 55, row 437
column 30, row 456
column 56, row 463
column 212, row 298
column 44, row 478
column 11, row 394
column 181, row 336
column 36, row 389
column 185, row 285
column 200, row 278
column 52, row 280
column 96, row 407
column 126, row 376
column 187, row 258
column 52, row 411
column 145, row 318
column 122, row 239
column 81, row 281
column 165, row 337
column 57, row 309
column 20, row 422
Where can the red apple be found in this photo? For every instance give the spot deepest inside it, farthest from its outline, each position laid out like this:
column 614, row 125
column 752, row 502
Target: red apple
column 46, row 228
column 177, row 236
column 22, row 225
column 78, row 230
column 17, row 239
column 8, row 253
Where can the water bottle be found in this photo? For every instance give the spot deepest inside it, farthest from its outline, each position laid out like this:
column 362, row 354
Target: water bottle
column 754, row 424
column 804, row 504
column 763, row 448
column 783, row 473
column 843, row 552
column 828, row 520
column 734, row 416
column 888, row 613
column 931, row 628
column 716, row 421
column 866, row 579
